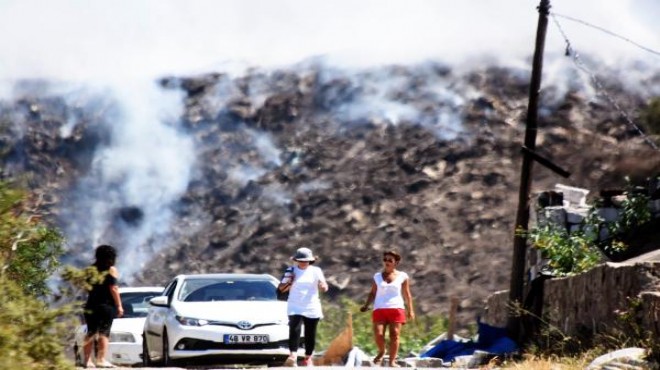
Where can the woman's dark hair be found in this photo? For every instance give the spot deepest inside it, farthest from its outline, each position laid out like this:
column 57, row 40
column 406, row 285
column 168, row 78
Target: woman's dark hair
column 106, row 255
column 396, row 255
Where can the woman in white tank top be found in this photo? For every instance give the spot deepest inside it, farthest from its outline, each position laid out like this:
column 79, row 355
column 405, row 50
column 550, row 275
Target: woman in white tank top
column 390, row 293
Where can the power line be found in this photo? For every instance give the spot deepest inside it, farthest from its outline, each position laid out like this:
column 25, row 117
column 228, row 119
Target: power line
column 654, row 52
column 599, row 86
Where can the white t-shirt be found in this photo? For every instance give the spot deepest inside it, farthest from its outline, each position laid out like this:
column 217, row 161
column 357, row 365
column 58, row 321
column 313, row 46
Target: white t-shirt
column 388, row 295
column 304, row 293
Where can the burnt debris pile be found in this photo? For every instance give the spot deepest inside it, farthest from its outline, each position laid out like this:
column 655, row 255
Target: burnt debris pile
column 423, row 159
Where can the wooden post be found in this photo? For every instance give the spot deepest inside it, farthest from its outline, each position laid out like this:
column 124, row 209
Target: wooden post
column 453, row 307
column 522, row 215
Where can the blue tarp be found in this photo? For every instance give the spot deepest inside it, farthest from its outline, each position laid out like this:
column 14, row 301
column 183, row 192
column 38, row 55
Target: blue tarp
column 491, row 339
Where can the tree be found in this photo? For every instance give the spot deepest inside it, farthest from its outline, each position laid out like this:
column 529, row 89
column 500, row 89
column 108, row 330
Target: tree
column 31, row 333
column 29, row 249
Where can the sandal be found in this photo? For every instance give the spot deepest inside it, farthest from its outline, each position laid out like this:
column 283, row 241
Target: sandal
column 378, row 360
column 105, row 365
column 393, row 363
column 291, row 361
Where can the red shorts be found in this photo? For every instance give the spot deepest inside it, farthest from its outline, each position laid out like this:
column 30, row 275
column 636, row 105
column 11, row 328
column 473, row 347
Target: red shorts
column 389, row 315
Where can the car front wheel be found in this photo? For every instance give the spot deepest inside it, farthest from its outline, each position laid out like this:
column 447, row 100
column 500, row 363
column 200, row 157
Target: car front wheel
column 146, row 360
column 167, row 361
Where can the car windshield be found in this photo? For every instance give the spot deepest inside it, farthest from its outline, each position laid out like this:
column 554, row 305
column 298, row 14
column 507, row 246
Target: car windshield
column 136, row 304
column 227, row 289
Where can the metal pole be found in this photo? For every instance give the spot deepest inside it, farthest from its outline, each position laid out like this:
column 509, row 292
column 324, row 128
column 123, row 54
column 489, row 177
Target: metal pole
column 522, row 216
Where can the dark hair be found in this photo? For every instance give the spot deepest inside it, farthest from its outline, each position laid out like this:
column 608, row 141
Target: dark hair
column 106, row 255
column 395, row 254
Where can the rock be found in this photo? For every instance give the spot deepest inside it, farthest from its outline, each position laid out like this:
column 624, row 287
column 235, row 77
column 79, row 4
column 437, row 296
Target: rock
column 627, row 358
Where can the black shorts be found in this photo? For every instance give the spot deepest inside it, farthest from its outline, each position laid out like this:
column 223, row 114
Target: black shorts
column 99, row 319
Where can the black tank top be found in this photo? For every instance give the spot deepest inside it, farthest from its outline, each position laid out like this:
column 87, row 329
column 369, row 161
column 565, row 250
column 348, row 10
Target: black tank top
column 100, row 293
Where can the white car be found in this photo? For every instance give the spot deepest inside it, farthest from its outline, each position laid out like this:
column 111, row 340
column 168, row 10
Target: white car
column 126, row 333
column 218, row 318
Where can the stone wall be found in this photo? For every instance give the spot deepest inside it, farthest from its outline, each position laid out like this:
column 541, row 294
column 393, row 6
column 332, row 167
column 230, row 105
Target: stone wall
column 495, row 312
column 591, row 300
column 651, row 312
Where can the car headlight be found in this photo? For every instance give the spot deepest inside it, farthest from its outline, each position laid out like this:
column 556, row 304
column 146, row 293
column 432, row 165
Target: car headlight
column 189, row 321
column 121, row 337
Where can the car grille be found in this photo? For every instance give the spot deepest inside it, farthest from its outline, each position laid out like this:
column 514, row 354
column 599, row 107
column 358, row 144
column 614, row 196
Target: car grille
column 190, row 344
column 235, row 325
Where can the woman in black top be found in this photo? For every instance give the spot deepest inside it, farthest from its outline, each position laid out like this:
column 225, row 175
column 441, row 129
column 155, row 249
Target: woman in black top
column 102, row 301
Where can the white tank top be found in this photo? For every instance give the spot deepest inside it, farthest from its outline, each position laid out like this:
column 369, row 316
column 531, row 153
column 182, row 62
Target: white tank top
column 388, row 295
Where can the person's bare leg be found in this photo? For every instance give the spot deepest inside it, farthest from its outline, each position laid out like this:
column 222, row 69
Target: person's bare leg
column 104, row 342
column 395, row 330
column 379, row 336
column 88, row 347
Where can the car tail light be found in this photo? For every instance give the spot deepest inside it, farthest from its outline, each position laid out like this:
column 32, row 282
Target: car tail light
column 122, row 337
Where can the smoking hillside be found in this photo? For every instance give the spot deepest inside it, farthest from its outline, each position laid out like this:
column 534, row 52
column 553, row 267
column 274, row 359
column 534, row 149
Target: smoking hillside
column 232, row 172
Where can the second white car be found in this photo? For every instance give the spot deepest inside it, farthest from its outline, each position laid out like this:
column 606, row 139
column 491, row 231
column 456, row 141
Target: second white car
column 125, row 346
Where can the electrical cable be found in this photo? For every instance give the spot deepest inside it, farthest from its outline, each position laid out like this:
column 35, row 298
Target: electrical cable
column 654, row 52
column 598, row 85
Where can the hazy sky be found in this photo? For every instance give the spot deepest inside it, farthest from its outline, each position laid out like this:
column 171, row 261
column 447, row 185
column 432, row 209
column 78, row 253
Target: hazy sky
column 83, row 39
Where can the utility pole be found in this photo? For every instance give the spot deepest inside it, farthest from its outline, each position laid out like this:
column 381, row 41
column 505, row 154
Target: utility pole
column 522, row 215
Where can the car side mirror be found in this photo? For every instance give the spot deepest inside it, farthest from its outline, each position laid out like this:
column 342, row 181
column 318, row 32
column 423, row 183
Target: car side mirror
column 160, row 301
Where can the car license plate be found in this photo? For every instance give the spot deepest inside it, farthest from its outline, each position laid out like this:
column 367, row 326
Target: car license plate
column 245, row 338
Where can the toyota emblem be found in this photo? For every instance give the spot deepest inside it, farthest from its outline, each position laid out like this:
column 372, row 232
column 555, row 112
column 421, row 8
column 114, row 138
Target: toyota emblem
column 244, row 325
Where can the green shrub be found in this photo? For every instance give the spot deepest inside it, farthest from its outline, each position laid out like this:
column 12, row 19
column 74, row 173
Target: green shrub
column 574, row 252
column 567, row 253
column 31, row 333
column 635, row 211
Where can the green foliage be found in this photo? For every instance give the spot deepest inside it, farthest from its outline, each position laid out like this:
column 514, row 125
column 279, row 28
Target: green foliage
column 28, row 249
column 82, row 279
column 635, row 210
column 31, row 333
column 414, row 335
column 574, row 252
column 567, row 253
column 651, row 117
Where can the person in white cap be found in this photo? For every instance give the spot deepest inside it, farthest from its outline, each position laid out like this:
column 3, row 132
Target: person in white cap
column 304, row 304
